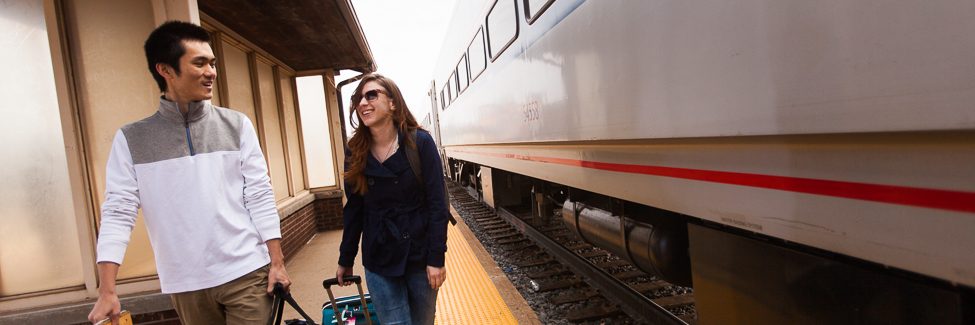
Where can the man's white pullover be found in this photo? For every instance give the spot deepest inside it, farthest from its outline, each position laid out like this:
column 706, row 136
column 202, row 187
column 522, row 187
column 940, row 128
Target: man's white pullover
column 203, row 186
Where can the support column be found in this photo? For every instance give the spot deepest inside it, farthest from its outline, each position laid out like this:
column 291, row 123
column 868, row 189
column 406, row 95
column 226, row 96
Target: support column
column 335, row 125
column 182, row 10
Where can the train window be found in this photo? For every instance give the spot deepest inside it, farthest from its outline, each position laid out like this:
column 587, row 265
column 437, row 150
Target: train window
column 534, row 9
column 449, row 89
column 453, row 87
column 462, row 80
column 455, row 79
column 443, row 104
column 475, row 54
column 502, row 27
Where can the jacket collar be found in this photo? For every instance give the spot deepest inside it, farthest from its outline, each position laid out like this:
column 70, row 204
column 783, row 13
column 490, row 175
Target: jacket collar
column 393, row 165
column 169, row 110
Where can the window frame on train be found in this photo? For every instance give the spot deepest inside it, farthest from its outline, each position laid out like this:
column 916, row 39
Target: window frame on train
column 529, row 16
column 443, row 104
column 455, row 78
column 462, row 66
column 479, row 36
column 487, row 27
column 450, row 88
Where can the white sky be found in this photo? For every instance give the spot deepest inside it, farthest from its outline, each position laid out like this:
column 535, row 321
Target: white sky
column 405, row 38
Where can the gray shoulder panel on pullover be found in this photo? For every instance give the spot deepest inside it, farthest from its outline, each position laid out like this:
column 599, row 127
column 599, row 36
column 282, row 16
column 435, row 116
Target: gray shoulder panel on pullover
column 156, row 138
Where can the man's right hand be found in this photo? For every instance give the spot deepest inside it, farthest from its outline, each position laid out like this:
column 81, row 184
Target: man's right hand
column 340, row 273
column 106, row 307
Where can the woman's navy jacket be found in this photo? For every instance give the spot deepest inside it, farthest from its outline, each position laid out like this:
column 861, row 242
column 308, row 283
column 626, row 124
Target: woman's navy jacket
column 403, row 229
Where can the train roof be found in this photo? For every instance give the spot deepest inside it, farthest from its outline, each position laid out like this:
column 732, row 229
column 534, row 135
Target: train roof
column 467, row 18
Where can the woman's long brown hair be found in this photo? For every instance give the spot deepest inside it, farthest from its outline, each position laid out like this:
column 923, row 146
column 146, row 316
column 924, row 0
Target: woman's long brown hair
column 362, row 140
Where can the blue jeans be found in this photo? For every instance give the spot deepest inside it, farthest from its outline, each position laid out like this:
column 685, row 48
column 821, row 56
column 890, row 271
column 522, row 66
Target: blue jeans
column 406, row 299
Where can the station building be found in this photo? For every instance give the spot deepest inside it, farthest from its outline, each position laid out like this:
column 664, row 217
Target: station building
column 74, row 72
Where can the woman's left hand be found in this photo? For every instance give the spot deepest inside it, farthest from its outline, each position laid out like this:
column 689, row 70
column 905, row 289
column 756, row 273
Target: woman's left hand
column 436, row 276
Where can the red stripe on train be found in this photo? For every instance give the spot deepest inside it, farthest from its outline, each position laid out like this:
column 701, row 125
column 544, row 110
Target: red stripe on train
column 911, row 196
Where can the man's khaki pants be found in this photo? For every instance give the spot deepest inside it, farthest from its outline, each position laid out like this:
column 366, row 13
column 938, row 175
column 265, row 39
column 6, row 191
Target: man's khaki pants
column 241, row 301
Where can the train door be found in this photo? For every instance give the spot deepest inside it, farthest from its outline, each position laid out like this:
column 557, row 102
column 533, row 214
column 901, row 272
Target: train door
column 435, row 125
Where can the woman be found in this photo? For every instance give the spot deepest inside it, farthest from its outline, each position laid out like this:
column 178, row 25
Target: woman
column 403, row 228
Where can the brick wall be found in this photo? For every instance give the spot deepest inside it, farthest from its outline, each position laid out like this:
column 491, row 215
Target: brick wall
column 329, row 212
column 325, row 213
column 296, row 230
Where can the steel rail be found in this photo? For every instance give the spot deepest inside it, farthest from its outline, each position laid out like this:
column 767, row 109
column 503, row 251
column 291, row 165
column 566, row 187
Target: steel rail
column 629, row 301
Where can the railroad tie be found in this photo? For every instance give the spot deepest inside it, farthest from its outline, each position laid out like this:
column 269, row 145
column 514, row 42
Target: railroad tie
column 549, row 273
column 511, row 241
column 561, row 234
column 519, row 247
column 596, row 253
column 613, row 264
column 525, row 254
column 497, row 225
column 499, row 231
column 551, row 228
column 623, row 276
column 574, row 297
column 505, row 235
column 578, row 247
column 536, row 262
column 566, row 240
column 675, row 301
column 486, row 217
column 604, row 311
column 649, row 286
column 494, row 222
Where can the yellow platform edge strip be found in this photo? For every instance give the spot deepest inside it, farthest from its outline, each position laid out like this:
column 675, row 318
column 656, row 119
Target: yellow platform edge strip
column 468, row 296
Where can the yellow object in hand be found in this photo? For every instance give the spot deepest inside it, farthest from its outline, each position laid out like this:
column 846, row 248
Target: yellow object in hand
column 124, row 318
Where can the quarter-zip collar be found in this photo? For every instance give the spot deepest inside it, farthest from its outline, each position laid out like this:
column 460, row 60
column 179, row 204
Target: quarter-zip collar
column 170, row 111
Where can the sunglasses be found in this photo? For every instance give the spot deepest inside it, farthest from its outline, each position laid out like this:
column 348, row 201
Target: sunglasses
column 374, row 94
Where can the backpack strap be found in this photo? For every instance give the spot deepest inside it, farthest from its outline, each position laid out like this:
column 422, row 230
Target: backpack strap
column 413, row 155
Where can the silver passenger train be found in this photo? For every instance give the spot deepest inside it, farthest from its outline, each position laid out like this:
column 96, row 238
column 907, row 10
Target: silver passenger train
column 793, row 161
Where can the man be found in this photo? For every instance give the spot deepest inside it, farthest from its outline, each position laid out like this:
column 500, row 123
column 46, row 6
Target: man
column 198, row 174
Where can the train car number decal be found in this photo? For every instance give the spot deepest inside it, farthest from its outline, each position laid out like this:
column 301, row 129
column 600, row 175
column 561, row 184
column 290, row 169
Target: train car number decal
column 530, row 111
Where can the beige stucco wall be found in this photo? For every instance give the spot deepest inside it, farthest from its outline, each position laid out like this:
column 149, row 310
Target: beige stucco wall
column 274, row 149
column 114, row 88
column 291, row 126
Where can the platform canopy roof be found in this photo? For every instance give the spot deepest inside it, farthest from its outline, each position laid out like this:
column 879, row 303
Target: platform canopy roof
column 304, row 34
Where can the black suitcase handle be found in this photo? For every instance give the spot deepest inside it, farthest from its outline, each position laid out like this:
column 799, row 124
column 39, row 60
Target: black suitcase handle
column 328, row 283
column 334, row 281
column 277, row 307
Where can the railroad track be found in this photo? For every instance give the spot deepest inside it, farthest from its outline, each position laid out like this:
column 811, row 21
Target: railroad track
column 565, row 279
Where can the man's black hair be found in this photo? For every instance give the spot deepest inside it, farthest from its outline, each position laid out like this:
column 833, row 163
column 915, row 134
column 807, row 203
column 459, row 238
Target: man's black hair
column 165, row 45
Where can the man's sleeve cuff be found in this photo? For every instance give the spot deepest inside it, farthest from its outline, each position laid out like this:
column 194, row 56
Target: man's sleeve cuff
column 110, row 252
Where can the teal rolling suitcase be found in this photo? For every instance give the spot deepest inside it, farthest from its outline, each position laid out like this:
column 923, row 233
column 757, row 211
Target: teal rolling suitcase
column 348, row 310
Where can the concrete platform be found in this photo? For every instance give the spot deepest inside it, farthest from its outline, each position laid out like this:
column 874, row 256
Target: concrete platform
column 317, row 261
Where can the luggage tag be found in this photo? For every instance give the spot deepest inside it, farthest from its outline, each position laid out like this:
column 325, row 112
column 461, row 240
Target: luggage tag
column 347, row 318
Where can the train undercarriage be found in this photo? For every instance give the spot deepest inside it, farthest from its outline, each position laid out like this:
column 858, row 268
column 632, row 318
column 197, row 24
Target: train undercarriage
column 738, row 276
